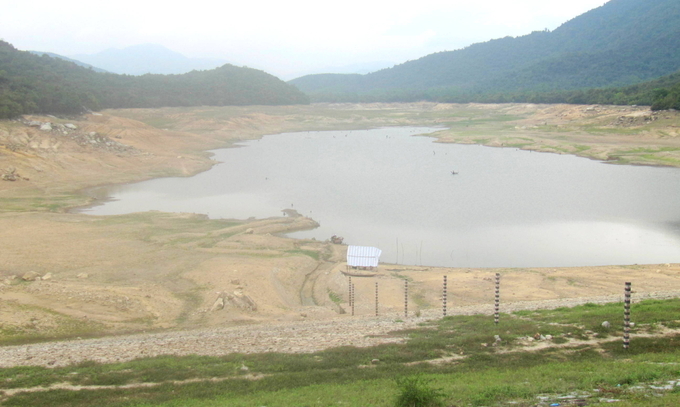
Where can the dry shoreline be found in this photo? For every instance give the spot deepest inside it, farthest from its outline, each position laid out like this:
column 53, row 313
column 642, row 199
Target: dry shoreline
column 155, row 271
column 277, row 337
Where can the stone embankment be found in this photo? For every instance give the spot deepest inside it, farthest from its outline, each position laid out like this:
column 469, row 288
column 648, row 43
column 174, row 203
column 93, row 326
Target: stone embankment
column 286, row 337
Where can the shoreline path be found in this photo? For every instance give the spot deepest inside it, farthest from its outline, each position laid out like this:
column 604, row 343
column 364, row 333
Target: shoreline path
column 283, row 337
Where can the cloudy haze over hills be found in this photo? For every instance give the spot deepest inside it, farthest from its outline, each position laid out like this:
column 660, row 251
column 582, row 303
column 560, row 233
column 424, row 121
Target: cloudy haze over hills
column 147, row 58
column 286, row 39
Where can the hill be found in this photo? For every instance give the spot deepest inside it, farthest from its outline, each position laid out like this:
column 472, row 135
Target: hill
column 79, row 63
column 620, row 43
column 147, row 58
column 42, row 84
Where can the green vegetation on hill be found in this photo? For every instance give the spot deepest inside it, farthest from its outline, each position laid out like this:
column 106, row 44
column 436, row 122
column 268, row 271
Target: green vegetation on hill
column 621, row 43
column 41, row 84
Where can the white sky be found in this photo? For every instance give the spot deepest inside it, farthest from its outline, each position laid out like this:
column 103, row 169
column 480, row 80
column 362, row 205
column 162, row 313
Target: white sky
column 285, row 38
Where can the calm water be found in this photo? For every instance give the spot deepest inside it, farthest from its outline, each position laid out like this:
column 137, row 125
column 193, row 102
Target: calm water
column 386, row 188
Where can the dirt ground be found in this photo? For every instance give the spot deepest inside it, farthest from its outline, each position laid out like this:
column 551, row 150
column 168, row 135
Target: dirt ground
column 65, row 274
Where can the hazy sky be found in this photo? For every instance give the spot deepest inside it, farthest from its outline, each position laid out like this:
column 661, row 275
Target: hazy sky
column 285, row 38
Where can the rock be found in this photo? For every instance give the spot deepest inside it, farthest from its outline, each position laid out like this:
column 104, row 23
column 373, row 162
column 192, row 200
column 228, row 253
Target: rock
column 375, row 361
column 249, row 231
column 606, row 324
column 71, row 126
column 46, row 127
column 218, row 304
column 34, row 123
column 83, row 275
column 497, row 338
column 47, row 276
column 548, row 337
column 30, row 276
column 244, row 368
column 631, row 324
column 92, row 134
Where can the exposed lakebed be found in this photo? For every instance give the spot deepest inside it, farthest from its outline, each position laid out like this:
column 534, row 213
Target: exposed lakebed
column 383, row 187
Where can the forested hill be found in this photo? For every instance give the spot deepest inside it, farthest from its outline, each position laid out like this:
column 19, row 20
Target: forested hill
column 41, row 84
column 620, row 43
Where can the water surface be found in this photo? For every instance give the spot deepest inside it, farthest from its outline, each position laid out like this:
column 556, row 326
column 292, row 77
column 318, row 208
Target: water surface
column 386, row 188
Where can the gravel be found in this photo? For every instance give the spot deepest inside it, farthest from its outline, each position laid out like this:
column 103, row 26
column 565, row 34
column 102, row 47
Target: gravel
column 285, row 337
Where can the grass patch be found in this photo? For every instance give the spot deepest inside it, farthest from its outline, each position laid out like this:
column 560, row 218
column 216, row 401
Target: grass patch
column 310, row 253
column 335, row 297
column 455, row 360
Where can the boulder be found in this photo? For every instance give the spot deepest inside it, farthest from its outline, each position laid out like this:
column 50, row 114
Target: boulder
column 46, row 126
column 71, row 126
column 30, row 276
column 47, row 276
column 218, row 304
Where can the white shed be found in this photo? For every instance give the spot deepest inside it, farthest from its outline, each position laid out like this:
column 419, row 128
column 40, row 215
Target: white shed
column 363, row 256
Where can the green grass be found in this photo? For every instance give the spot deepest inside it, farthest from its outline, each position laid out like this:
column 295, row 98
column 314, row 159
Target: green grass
column 469, row 374
column 61, row 326
column 335, row 297
column 311, row 253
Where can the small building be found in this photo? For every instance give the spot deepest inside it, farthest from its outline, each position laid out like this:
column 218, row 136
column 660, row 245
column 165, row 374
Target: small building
column 363, row 257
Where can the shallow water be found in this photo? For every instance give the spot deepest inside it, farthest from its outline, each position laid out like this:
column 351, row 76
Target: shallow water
column 386, row 188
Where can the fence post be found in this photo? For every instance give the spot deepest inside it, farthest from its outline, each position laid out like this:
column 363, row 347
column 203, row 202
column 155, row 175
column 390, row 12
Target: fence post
column 626, row 316
column 496, row 314
column 349, row 291
column 444, row 297
column 406, row 298
column 376, row 298
column 353, row 299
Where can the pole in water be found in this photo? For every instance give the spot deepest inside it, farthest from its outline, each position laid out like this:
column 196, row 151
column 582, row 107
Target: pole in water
column 406, row 298
column 496, row 314
column 444, row 298
column 626, row 316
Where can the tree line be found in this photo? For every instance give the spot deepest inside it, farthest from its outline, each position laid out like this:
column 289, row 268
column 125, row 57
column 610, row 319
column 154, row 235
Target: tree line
column 32, row 84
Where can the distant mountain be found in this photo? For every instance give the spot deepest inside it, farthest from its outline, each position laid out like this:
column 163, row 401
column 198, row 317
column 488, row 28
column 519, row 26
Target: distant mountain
column 147, row 58
column 622, row 42
column 41, row 84
column 358, row 68
column 53, row 55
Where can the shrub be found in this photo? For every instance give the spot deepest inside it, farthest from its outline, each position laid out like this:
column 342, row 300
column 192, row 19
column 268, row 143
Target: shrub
column 415, row 391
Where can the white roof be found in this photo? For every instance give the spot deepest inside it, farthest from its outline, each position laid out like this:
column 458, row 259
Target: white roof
column 363, row 256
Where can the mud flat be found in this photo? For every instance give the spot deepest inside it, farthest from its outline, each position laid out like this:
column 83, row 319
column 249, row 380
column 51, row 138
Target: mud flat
column 95, row 276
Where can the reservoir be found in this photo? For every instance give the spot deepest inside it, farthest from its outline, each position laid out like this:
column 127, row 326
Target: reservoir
column 392, row 189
